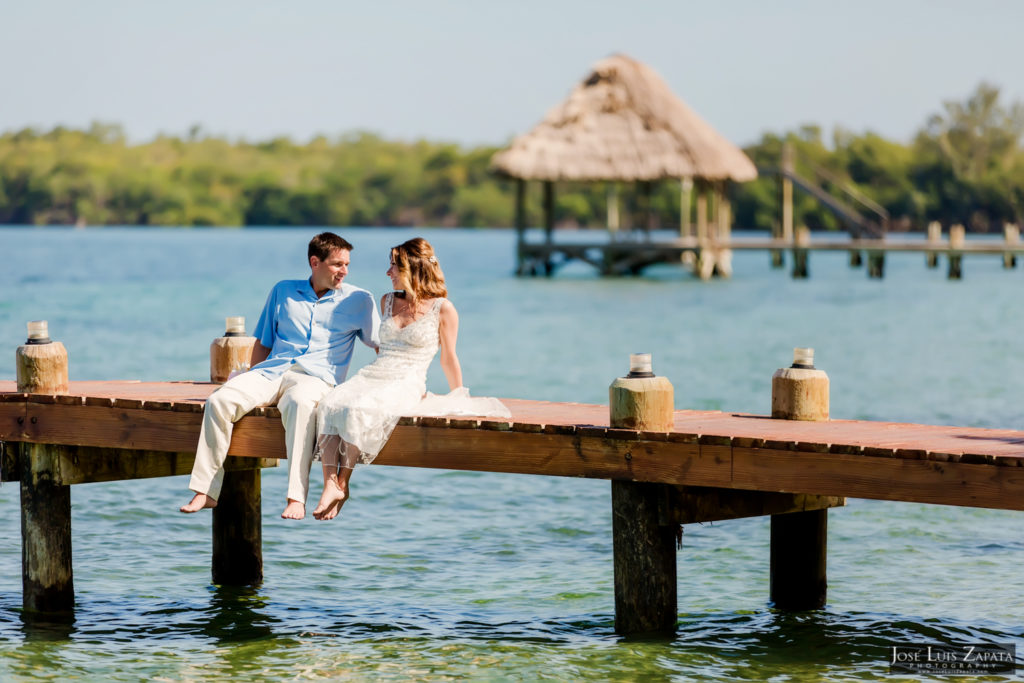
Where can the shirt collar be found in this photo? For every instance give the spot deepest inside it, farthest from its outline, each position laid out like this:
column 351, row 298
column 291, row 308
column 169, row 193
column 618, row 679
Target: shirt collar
column 307, row 288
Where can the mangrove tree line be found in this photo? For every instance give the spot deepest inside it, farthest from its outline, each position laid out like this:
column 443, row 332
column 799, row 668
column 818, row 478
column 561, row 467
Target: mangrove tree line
column 964, row 165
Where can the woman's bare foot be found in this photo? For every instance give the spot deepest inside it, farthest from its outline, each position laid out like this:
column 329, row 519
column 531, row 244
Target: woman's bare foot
column 198, row 502
column 331, row 501
column 294, row 510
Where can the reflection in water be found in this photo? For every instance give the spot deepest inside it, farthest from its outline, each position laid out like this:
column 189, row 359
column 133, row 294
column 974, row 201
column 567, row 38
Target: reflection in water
column 47, row 627
column 237, row 614
column 241, row 628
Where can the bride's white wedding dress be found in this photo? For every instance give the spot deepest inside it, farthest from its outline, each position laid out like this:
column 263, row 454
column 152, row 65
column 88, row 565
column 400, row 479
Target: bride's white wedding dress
column 364, row 410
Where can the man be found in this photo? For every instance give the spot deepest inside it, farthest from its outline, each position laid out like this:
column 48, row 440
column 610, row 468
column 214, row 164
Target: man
column 304, row 342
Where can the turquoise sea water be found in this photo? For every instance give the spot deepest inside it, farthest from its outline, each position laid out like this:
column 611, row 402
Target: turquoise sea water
column 432, row 574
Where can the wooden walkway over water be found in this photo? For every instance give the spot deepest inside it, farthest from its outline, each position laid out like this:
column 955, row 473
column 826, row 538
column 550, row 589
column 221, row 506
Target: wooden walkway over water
column 633, row 254
column 712, row 466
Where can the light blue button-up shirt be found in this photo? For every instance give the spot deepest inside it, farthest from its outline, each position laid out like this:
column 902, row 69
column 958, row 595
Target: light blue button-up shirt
column 316, row 334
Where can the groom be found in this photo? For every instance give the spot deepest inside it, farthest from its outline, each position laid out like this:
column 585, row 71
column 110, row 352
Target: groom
column 304, row 342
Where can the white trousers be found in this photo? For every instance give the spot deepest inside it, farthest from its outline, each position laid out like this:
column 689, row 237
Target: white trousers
column 296, row 395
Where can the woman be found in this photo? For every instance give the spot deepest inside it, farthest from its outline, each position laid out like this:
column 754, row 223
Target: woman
column 356, row 418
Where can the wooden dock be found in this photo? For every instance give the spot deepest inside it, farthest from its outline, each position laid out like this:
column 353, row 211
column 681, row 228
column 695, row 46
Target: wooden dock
column 712, row 466
column 707, row 258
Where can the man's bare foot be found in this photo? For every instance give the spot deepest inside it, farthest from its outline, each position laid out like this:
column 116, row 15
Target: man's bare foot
column 294, row 510
column 198, row 502
column 331, row 501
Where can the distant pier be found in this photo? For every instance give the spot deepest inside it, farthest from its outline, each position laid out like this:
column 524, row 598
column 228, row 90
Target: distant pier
column 632, row 254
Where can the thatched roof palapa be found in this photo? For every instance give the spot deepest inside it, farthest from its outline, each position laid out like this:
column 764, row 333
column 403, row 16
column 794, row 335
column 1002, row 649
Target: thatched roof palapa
column 622, row 123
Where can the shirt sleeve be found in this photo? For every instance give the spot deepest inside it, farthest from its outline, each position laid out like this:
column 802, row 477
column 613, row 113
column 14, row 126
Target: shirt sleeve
column 369, row 327
column 266, row 329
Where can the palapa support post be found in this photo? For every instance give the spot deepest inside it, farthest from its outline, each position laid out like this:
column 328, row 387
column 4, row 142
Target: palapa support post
column 876, row 264
column 702, row 211
column 47, row 577
column 643, row 544
column 646, row 188
column 520, row 220
column 238, row 530
column 723, row 214
column 685, row 207
column 956, row 243
column 931, row 258
column 612, row 198
column 706, row 259
column 786, row 191
column 801, row 242
column 799, row 539
column 549, row 222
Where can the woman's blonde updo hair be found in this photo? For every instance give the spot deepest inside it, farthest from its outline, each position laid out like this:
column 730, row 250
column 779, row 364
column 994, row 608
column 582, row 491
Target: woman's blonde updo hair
column 419, row 273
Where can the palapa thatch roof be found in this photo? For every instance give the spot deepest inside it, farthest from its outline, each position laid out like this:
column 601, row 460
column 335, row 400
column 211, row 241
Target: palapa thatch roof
column 623, row 123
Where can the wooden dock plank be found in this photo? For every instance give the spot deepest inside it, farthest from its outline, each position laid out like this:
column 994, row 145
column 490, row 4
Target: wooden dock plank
column 916, row 481
column 892, row 461
column 142, row 429
column 556, row 455
column 12, row 421
column 169, row 433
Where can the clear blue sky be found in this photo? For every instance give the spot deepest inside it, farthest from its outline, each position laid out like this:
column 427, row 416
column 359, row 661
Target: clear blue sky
column 480, row 72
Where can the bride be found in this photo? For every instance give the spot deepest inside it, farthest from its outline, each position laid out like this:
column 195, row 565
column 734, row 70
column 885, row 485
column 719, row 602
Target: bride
column 356, row 418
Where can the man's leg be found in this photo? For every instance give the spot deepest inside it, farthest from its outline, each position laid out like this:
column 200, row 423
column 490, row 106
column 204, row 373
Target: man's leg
column 300, row 394
column 223, row 408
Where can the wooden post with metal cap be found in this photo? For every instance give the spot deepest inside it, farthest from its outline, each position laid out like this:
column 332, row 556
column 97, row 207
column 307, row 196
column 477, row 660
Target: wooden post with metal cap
column 237, row 524
column 799, row 539
column 644, row 548
column 47, row 577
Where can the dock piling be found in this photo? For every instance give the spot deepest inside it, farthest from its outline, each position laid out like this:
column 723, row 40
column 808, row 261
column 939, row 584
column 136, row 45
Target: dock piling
column 644, row 546
column 799, row 539
column 645, row 560
column 931, row 258
column 956, row 243
column 1011, row 235
column 798, row 557
column 876, row 264
column 801, row 240
column 47, row 577
column 238, row 531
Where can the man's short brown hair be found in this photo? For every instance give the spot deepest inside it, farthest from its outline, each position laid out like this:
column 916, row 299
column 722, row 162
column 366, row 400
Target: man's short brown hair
column 323, row 244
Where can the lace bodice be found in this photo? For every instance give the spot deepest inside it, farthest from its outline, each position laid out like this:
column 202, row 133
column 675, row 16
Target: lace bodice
column 364, row 410
column 406, row 351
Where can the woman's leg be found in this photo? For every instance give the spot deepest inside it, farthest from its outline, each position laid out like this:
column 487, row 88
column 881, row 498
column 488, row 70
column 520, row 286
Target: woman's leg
column 338, row 458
